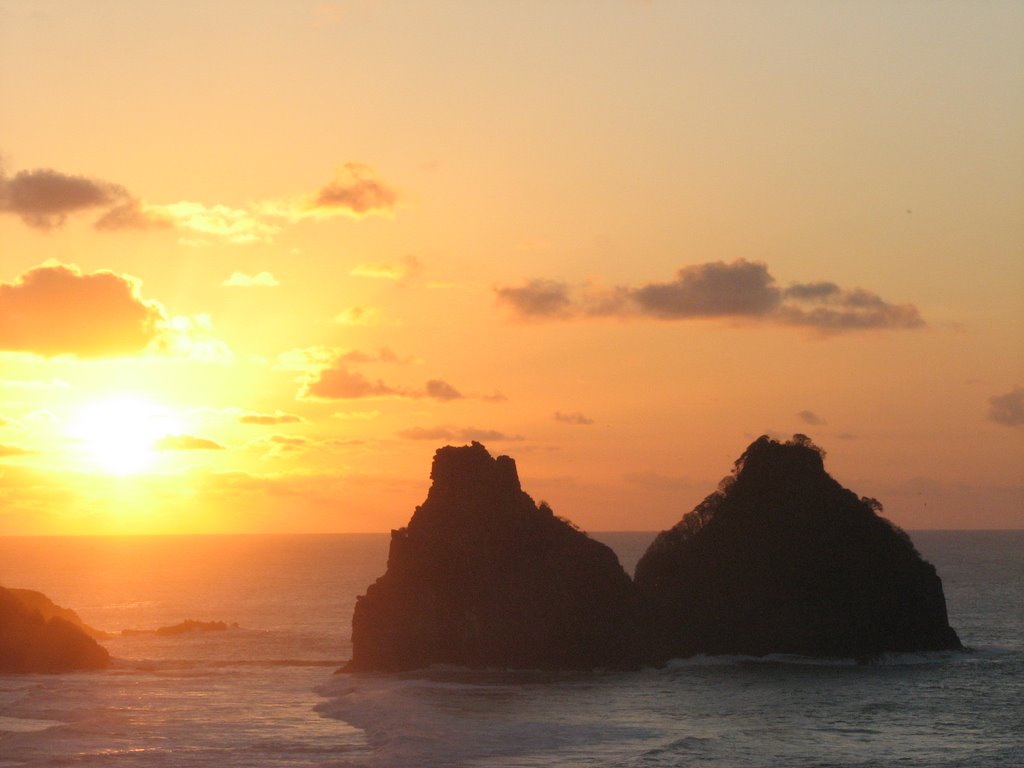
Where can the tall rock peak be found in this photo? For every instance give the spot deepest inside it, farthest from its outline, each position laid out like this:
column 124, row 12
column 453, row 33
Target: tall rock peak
column 483, row 577
column 458, row 468
column 783, row 559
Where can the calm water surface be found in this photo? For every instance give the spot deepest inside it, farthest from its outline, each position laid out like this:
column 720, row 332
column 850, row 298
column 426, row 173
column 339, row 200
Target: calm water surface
column 264, row 693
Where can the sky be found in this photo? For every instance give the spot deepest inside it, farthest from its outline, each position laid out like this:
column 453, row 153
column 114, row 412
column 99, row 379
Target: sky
column 259, row 260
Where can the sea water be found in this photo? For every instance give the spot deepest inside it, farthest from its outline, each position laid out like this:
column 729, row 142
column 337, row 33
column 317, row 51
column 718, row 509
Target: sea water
column 264, row 692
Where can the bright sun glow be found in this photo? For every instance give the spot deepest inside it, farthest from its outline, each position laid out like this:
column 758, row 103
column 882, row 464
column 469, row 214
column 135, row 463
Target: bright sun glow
column 118, row 433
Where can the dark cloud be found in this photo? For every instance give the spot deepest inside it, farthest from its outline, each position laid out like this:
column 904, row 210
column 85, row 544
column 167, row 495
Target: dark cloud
column 1007, row 409
column 827, row 307
column 711, row 290
column 56, row 310
column 451, row 433
column 538, row 298
column 810, row 417
column 270, row 418
column 355, row 191
column 812, row 291
column 742, row 290
column 442, row 390
column 573, row 418
column 186, row 443
column 43, row 198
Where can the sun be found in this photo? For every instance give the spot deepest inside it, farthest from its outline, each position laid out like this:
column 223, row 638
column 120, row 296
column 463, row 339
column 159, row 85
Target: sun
column 118, row 432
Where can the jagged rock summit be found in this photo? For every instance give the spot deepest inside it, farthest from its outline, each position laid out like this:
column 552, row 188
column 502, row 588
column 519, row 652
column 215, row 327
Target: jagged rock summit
column 484, row 577
column 31, row 643
column 783, row 559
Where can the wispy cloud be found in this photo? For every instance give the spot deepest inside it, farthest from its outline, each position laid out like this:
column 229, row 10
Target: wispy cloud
column 259, row 280
column 441, row 390
column 810, row 417
column 44, row 198
column 575, row 418
column 741, row 290
column 359, row 316
column 186, row 443
column 277, row 417
column 409, row 268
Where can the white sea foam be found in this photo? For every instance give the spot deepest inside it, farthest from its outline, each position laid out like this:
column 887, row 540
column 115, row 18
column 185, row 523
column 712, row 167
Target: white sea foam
column 26, row 725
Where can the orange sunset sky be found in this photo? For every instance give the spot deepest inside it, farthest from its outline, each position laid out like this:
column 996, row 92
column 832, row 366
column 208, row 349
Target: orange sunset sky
column 259, row 259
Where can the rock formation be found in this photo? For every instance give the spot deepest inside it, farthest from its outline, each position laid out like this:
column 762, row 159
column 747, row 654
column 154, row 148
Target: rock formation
column 483, row 577
column 40, row 602
column 783, row 559
column 31, row 643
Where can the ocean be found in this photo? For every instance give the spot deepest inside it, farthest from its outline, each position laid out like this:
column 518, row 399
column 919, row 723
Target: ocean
column 265, row 692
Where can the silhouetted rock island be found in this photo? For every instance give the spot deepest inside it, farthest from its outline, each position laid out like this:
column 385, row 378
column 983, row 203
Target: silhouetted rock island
column 31, row 643
column 484, row 577
column 783, row 559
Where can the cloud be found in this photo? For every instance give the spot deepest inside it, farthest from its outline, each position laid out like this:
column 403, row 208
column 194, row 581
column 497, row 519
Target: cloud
column 1007, row 409
column 408, row 269
column 240, row 226
column 538, row 298
column 357, row 316
column 44, row 198
column 715, row 289
column 810, row 417
column 452, row 433
column 354, row 192
column 134, row 214
column 739, row 290
column 830, row 308
column 269, row 418
column 55, row 309
column 259, row 280
column 186, row 443
column 329, row 376
column 192, row 336
column 573, row 418
column 442, row 390
column 280, row 445
column 339, row 383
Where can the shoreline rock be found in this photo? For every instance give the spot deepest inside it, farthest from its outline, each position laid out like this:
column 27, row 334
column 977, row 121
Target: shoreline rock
column 783, row 559
column 484, row 577
column 30, row 642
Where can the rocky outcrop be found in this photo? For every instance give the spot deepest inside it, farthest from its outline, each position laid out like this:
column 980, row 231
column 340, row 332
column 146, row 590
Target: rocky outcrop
column 31, row 643
column 783, row 559
column 183, row 628
column 40, row 602
column 484, row 577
